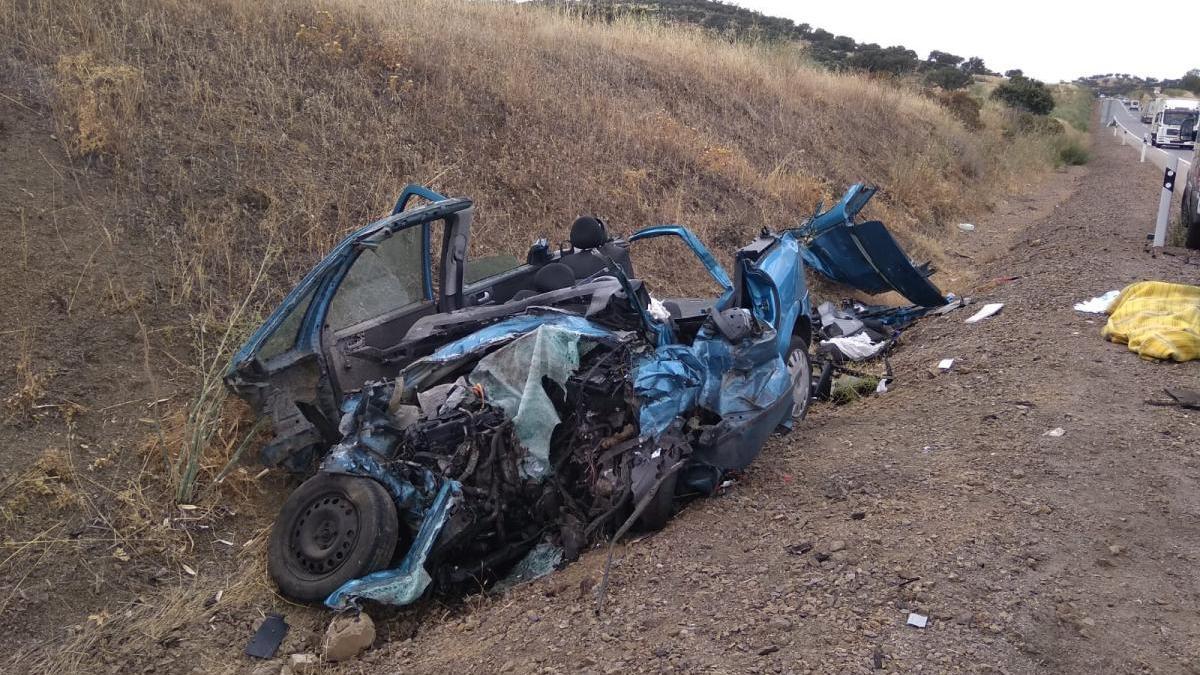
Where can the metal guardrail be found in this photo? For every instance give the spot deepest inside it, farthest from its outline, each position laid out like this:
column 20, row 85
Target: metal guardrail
column 1175, row 168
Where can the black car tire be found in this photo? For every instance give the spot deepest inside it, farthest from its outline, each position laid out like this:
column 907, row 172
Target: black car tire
column 333, row 528
column 1190, row 221
column 800, row 368
column 661, row 506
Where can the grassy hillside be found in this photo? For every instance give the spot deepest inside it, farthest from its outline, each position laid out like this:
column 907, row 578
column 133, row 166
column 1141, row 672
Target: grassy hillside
column 238, row 127
column 207, row 153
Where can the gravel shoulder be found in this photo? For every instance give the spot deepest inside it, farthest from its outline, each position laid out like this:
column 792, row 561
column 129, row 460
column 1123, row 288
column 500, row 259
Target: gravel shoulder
column 1029, row 552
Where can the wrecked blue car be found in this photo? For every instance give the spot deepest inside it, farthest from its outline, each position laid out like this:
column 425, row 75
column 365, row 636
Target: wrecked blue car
column 504, row 418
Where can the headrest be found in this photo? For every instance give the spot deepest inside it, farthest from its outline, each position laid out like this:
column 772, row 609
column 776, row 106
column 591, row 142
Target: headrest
column 552, row 277
column 587, row 232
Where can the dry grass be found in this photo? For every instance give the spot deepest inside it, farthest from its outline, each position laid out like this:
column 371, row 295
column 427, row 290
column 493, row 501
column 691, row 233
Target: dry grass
column 236, row 124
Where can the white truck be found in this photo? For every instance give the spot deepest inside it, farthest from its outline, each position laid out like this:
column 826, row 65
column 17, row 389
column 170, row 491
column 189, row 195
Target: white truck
column 1173, row 121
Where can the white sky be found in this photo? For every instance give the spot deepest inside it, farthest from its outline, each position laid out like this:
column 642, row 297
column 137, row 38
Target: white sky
column 1051, row 40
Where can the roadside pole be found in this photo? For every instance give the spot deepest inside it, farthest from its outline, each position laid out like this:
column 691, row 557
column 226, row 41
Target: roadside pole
column 1164, row 203
column 1144, row 144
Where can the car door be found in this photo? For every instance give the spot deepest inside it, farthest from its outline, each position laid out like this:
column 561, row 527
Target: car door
column 334, row 330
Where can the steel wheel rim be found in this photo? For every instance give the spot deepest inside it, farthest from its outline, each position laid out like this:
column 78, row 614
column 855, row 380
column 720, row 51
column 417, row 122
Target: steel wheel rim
column 324, row 534
column 801, row 372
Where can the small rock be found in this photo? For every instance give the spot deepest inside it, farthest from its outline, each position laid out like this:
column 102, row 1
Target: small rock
column 303, row 664
column 965, row 619
column 858, row 515
column 780, row 623
column 269, row 668
column 348, row 636
column 1116, row 549
column 769, row 649
column 837, row 546
column 877, row 658
column 1017, row 473
column 799, row 548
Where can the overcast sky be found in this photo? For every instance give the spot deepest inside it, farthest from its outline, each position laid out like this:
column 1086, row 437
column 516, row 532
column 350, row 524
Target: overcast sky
column 1050, row 39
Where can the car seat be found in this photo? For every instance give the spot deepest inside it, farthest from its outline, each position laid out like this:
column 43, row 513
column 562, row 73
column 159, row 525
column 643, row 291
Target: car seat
column 551, row 277
column 590, row 241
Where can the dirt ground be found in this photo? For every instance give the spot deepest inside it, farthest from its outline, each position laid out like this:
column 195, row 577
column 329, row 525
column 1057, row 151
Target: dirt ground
column 945, row 496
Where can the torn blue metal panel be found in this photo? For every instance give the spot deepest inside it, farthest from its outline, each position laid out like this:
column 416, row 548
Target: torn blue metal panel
column 470, row 347
column 404, row 584
column 510, row 329
column 667, row 384
column 864, row 256
column 743, row 378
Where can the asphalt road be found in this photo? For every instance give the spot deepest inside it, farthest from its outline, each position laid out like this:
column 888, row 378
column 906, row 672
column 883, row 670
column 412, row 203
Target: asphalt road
column 1132, row 122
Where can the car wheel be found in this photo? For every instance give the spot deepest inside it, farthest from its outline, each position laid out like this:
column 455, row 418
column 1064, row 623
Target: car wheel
column 1191, row 221
column 661, row 507
column 333, row 528
column 800, row 368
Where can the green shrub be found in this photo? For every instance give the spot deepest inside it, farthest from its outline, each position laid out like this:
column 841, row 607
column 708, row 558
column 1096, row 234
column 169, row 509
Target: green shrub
column 948, row 78
column 963, row 106
column 1025, row 94
column 1028, row 123
column 1073, row 153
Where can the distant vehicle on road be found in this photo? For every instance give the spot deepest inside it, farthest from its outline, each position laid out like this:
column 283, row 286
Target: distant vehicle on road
column 1133, row 105
column 1173, row 121
column 1190, row 209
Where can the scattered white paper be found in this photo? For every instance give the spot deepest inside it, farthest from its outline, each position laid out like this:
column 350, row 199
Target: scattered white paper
column 657, row 310
column 1055, row 432
column 918, row 620
column 945, row 364
column 857, row 347
column 966, row 227
column 1099, row 304
column 985, row 311
column 881, row 388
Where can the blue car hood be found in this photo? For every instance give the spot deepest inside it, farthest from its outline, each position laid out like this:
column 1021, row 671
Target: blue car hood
column 864, row 256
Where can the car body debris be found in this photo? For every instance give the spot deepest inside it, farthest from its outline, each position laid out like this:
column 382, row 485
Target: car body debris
column 268, row 637
column 984, row 312
column 491, row 425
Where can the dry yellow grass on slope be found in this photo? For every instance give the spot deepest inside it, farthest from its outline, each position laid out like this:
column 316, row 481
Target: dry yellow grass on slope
column 243, row 127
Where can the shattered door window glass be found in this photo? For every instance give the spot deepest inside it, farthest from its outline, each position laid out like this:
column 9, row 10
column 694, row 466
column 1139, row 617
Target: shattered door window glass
column 382, row 279
column 489, row 266
column 285, row 335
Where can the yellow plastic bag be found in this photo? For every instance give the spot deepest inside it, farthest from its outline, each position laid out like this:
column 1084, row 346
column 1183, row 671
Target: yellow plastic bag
column 1157, row 320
